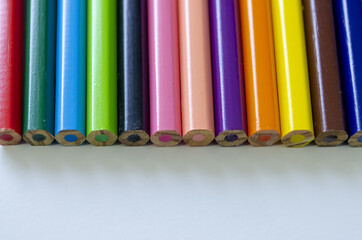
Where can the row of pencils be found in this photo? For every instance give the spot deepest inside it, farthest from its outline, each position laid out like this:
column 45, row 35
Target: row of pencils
column 173, row 70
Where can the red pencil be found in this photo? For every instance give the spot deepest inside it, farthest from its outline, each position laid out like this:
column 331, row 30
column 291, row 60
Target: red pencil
column 11, row 47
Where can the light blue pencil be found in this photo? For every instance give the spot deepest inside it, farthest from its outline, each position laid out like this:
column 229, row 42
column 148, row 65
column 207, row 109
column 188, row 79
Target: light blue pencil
column 70, row 101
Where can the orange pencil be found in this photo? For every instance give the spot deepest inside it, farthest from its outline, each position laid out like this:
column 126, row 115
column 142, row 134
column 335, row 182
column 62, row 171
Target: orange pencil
column 260, row 75
column 196, row 77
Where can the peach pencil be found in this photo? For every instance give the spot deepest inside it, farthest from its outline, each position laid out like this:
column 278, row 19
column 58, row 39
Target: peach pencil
column 196, row 76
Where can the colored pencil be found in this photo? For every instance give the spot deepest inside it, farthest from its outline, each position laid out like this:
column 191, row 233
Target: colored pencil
column 228, row 81
column 260, row 76
column 324, row 75
column 11, row 70
column 196, row 76
column 101, row 117
column 164, row 73
column 292, row 73
column 133, row 106
column 70, row 72
column 348, row 19
column 39, row 79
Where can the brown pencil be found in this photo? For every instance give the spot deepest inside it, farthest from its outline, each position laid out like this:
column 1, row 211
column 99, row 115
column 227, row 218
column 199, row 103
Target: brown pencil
column 324, row 75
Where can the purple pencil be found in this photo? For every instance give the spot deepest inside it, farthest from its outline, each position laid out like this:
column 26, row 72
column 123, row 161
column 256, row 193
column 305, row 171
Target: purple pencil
column 229, row 96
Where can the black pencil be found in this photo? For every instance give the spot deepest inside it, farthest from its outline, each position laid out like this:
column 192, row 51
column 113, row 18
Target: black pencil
column 133, row 106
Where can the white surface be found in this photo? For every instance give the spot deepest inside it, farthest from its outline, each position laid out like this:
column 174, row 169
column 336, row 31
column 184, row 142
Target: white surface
column 180, row 193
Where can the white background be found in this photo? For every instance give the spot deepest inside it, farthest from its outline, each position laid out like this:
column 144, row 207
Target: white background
column 183, row 193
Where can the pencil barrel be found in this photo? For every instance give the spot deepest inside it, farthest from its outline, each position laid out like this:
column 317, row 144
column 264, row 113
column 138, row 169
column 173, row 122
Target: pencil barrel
column 348, row 20
column 102, row 72
column 196, row 76
column 292, row 73
column 260, row 75
column 11, row 71
column 70, row 102
column 228, row 80
column 133, row 106
column 324, row 73
column 165, row 108
column 39, row 75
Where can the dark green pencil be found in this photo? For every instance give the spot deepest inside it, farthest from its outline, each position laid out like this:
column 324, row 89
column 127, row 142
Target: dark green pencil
column 39, row 73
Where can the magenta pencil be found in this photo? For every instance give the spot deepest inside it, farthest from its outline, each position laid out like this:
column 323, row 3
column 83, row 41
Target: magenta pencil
column 165, row 108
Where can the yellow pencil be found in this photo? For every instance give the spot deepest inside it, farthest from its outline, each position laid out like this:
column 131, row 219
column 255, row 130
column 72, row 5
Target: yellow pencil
column 292, row 72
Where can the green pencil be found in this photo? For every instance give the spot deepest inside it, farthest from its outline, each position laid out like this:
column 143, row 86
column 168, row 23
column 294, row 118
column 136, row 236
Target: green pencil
column 102, row 72
column 39, row 73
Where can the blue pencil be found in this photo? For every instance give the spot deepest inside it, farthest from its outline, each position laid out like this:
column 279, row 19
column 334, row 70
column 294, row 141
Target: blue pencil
column 348, row 17
column 71, row 72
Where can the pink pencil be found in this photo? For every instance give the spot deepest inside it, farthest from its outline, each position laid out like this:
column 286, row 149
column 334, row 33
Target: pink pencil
column 165, row 105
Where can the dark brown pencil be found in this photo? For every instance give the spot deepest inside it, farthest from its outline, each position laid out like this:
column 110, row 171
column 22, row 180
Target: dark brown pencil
column 325, row 83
